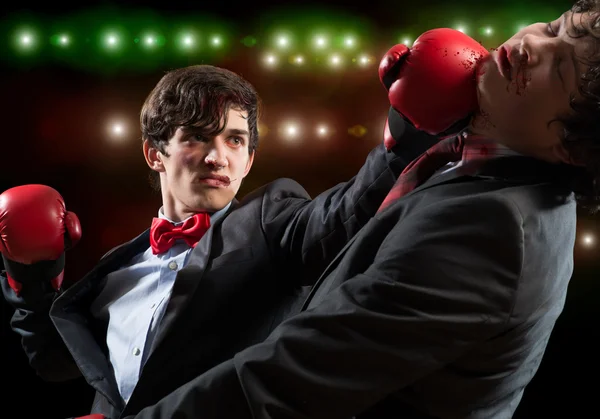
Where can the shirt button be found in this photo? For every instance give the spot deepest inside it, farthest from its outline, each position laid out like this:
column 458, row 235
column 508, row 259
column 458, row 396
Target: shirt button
column 136, row 351
column 172, row 266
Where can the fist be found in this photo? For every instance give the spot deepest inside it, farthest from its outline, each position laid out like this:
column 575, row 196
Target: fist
column 35, row 225
column 35, row 229
column 433, row 84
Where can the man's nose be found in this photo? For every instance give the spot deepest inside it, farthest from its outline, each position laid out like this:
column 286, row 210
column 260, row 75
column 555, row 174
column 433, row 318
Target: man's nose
column 534, row 49
column 217, row 155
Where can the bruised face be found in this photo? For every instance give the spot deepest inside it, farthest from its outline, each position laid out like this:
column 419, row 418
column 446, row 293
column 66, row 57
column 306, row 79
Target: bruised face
column 528, row 82
column 200, row 173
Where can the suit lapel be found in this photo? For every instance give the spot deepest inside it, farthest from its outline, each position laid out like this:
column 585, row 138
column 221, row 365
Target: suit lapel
column 187, row 281
column 70, row 315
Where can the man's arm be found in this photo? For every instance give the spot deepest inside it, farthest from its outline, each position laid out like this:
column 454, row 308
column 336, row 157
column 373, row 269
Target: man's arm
column 307, row 234
column 47, row 353
column 36, row 231
column 442, row 281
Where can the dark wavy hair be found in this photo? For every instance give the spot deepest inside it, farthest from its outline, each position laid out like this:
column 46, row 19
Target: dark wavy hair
column 198, row 96
column 581, row 127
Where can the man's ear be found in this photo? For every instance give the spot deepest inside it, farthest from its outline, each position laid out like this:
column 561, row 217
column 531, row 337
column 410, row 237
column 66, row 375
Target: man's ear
column 563, row 155
column 153, row 157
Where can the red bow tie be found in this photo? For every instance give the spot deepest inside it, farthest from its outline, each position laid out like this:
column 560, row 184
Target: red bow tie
column 163, row 233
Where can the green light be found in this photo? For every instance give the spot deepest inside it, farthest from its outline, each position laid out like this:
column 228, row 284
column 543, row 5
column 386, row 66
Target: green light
column 282, row 39
column 249, row 41
column 320, row 41
column 111, row 40
column 26, row 40
column 61, row 40
column 187, row 40
column 406, row 41
column 487, row 31
column 349, row 42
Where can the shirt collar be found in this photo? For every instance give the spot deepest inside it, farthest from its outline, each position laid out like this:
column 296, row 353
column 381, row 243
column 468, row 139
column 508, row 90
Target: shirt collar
column 479, row 147
column 213, row 217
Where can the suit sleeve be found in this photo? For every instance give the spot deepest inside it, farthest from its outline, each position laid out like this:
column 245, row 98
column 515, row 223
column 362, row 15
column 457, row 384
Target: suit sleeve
column 440, row 283
column 305, row 235
column 42, row 344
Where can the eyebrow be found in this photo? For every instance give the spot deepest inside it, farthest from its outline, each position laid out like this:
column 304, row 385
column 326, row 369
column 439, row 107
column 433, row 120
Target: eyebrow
column 238, row 131
column 198, row 130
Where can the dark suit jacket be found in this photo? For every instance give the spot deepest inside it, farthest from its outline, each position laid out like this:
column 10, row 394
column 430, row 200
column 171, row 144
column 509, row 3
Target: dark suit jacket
column 441, row 307
column 243, row 278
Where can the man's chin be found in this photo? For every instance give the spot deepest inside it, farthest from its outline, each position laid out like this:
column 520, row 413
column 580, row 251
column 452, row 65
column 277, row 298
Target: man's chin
column 211, row 204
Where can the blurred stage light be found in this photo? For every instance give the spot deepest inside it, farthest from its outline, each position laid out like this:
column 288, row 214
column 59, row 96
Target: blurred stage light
column 271, row 60
column 357, row 131
column 322, row 130
column 187, row 40
column 320, row 41
column 335, row 60
column 406, row 41
column 290, row 130
column 117, row 130
column 588, row 240
column 63, row 40
column 60, row 40
column 26, row 40
column 150, row 40
column 283, row 41
column 364, row 60
column 263, row 130
column 111, row 40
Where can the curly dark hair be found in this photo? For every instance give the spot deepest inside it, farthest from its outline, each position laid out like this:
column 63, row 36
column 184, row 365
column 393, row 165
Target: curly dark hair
column 581, row 127
column 197, row 96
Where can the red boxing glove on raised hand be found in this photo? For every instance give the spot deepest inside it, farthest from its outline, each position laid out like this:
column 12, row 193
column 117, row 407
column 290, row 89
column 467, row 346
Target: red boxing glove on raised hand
column 35, row 231
column 433, row 84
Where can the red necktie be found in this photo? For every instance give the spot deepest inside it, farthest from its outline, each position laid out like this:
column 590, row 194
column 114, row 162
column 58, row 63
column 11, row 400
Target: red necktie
column 423, row 167
column 163, row 233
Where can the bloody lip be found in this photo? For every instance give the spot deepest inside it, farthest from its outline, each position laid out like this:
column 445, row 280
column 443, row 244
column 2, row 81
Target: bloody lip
column 216, row 182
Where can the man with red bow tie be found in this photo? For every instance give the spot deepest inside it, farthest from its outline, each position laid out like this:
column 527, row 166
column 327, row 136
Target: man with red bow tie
column 441, row 307
column 443, row 304
column 210, row 277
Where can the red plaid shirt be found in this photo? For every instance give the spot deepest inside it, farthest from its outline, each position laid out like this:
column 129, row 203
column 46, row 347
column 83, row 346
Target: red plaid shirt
column 463, row 151
column 476, row 150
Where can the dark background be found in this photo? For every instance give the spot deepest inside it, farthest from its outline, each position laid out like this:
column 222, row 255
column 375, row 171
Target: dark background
column 57, row 107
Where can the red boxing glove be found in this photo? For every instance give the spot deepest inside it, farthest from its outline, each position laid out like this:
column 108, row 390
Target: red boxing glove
column 433, row 84
column 36, row 229
column 92, row 416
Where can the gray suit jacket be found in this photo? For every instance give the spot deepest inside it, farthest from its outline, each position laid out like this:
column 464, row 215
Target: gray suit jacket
column 243, row 278
column 441, row 307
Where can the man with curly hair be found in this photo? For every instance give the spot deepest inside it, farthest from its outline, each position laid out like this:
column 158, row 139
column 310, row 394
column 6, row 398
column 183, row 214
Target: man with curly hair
column 444, row 303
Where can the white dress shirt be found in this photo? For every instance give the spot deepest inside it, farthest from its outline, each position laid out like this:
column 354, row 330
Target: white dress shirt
column 133, row 301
